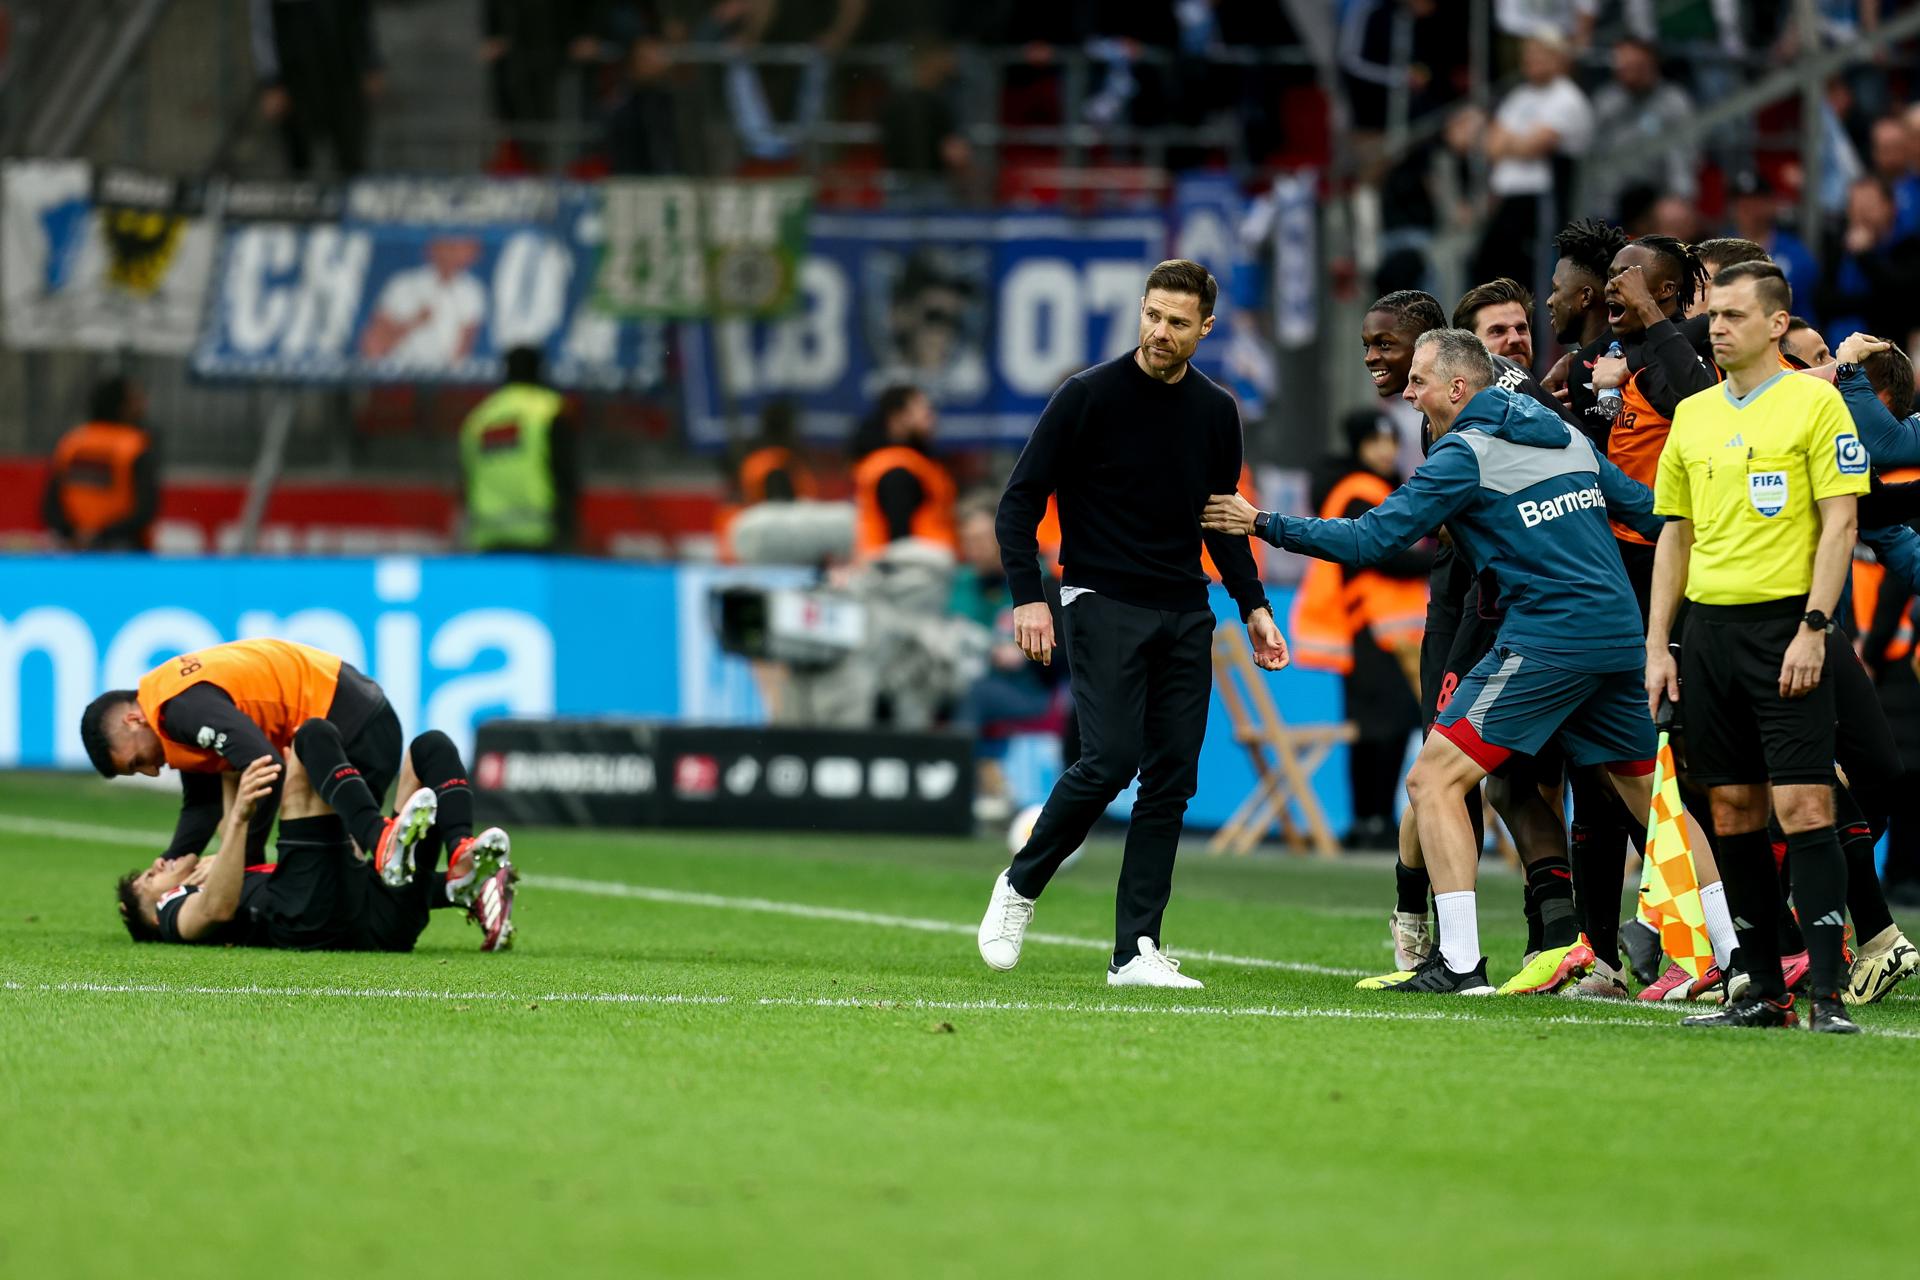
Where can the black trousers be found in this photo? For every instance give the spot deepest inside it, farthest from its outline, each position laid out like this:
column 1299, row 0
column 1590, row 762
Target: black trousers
column 1142, row 679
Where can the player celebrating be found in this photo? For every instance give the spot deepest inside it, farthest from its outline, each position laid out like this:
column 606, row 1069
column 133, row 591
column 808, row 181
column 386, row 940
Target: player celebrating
column 1577, row 306
column 318, row 897
column 213, row 711
column 1500, row 314
column 1526, row 497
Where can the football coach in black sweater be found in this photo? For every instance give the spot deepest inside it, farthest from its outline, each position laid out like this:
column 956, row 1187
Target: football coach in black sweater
column 1132, row 448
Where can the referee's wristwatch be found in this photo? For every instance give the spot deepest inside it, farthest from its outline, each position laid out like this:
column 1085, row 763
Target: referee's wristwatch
column 1262, row 521
column 1817, row 620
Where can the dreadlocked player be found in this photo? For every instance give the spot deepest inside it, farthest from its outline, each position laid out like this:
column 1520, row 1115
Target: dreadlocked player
column 1577, row 306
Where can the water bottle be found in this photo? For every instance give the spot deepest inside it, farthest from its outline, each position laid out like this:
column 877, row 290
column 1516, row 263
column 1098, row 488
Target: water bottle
column 1608, row 399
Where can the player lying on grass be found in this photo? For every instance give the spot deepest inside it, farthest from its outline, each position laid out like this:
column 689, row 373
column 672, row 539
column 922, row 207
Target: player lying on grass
column 318, row 896
column 1527, row 497
column 210, row 712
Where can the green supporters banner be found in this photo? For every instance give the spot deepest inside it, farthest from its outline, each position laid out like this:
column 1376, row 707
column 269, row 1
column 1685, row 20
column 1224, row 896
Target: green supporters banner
column 690, row 250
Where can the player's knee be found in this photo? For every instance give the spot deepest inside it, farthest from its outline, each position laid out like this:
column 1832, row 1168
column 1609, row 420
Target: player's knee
column 314, row 736
column 1431, row 780
column 1504, row 798
column 1804, row 808
column 1737, row 810
column 433, row 754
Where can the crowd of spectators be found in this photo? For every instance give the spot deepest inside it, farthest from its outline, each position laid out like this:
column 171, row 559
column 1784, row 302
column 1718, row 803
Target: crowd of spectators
column 621, row 67
column 1596, row 116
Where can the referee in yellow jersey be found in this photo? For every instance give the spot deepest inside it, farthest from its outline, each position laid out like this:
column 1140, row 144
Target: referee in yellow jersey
column 1759, row 480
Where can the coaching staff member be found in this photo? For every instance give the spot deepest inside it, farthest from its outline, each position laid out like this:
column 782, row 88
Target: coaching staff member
column 1132, row 448
column 1761, row 476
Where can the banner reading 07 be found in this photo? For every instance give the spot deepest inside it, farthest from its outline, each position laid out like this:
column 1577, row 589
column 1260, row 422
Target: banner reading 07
column 986, row 314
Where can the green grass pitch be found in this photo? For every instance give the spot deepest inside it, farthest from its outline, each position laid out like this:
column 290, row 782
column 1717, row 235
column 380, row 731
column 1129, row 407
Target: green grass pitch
column 780, row 1055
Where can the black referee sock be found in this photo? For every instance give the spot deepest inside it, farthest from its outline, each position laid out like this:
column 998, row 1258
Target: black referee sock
column 338, row 782
column 436, row 762
column 1820, row 885
column 1753, row 897
column 1550, row 891
column 1411, row 887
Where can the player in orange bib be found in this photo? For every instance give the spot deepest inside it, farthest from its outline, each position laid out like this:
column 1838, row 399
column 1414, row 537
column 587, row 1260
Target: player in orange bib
column 212, row 712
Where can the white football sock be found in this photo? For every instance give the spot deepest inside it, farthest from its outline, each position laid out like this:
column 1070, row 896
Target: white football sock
column 1713, row 901
column 1459, row 930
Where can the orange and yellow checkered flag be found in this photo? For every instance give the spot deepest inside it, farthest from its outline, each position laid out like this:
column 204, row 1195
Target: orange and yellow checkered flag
column 1669, row 888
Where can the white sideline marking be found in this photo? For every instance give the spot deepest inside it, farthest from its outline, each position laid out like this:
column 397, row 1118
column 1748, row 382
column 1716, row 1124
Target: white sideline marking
column 1281, row 1012
column 684, row 898
column 81, row 831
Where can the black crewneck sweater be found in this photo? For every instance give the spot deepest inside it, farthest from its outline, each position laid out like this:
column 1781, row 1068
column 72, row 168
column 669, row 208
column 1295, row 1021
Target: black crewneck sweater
column 1133, row 460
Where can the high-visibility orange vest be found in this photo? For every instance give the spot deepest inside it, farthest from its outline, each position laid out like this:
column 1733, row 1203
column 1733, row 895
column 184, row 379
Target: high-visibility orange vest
column 751, row 481
column 1330, row 608
column 277, row 684
column 1639, row 436
column 763, row 462
column 1048, row 534
column 93, row 464
column 1257, row 545
column 933, row 521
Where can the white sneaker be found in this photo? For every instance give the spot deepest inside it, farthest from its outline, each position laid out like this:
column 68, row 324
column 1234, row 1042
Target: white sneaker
column 1151, row 968
column 1005, row 925
column 1412, row 939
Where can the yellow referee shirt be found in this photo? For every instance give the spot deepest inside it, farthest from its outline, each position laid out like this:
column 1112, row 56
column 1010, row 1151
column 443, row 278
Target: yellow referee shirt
column 1747, row 473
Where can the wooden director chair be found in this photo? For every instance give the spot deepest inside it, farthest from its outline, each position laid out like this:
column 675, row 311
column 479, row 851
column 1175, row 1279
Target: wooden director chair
column 1284, row 758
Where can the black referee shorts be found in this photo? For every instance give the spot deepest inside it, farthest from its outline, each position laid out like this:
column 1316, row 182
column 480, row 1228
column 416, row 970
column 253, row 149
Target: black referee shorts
column 1740, row 731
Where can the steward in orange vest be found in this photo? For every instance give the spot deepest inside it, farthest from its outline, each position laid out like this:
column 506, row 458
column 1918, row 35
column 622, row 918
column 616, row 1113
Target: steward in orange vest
column 1359, row 623
column 103, row 487
column 773, row 471
column 899, row 491
column 1336, row 604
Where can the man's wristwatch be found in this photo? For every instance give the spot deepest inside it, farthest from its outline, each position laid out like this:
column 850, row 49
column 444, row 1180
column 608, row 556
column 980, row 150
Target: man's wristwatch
column 1817, row 620
column 1845, row 371
column 1262, row 521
